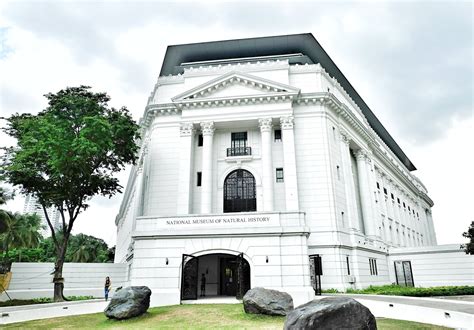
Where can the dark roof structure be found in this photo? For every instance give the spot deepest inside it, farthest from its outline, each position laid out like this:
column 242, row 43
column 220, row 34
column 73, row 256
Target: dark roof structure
column 305, row 49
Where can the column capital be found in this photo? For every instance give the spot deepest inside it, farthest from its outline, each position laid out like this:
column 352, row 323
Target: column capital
column 186, row 129
column 360, row 154
column 287, row 122
column 207, row 128
column 265, row 124
column 345, row 138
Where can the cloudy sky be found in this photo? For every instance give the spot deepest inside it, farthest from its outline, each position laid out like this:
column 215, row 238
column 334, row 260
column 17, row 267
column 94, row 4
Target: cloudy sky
column 412, row 62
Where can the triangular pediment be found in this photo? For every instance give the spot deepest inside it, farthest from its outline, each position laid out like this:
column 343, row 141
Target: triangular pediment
column 235, row 85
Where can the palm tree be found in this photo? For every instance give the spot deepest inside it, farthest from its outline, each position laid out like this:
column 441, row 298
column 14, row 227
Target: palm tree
column 84, row 249
column 22, row 231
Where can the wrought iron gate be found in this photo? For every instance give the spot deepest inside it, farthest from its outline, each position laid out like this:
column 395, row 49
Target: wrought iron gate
column 403, row 273
column 315, row 272
column 189, row 277
column 243, row 276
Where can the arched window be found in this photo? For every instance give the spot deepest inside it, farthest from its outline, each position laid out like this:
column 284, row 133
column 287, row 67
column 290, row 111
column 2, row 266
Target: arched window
column 239, row 192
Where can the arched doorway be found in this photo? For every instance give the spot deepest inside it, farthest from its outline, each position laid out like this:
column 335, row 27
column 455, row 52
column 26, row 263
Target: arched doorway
column 239, row 192
column 216, row 274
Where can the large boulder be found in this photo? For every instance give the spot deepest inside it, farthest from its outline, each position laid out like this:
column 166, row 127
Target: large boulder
column 129, row 302
column 265, row 301
column 331, row 313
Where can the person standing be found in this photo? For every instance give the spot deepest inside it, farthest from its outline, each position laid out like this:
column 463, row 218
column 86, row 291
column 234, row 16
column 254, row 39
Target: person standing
column 107, row 286
column 203, row 285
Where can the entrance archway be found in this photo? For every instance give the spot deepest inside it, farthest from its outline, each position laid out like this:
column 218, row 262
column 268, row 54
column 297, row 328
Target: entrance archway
column 239, row 192
column 216, row 274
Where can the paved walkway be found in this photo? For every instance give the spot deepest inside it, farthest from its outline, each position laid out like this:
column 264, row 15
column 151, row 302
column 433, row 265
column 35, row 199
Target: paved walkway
column 444, row 304
column 44, row 311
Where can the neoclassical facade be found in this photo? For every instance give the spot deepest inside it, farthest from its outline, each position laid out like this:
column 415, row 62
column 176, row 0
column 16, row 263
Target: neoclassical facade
column 260, row 165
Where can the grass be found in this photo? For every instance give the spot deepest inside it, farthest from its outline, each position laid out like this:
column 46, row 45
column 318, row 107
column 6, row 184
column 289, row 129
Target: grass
column 44, row 300
column 210, row 316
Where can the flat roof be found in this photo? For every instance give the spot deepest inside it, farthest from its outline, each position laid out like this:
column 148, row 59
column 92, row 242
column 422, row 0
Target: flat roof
column 305, row 43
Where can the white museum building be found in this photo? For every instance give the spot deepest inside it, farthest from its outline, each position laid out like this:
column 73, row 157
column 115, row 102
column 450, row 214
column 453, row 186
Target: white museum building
column 260, row 165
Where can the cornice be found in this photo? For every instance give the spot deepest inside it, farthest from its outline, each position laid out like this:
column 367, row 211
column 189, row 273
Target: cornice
column 202, row 70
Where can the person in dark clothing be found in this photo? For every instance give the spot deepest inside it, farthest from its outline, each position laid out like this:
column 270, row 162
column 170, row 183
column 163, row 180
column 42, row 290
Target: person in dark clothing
column 107, row 286
column 203, row 285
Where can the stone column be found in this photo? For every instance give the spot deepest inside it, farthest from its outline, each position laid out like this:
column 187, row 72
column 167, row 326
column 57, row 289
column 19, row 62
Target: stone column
column 365, row 192
column 185, row 168
column 351, row 199
column 268, row 172
column 388, row 237
column 207, row 152
column 289, row 170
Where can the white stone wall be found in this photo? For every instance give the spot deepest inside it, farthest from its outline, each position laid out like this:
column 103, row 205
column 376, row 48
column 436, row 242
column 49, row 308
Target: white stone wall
column 34, row 280
column 435, row 265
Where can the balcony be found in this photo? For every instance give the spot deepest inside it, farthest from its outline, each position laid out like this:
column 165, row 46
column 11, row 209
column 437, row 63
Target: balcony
column 239, row 151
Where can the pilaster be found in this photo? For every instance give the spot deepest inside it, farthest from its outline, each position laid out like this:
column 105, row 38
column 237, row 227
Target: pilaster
column 207, row 151
column 291, row 184
column 185, row 168
column 265, row 125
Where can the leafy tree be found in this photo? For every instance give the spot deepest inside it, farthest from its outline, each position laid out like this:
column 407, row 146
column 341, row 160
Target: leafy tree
column 469, row 247
column 85, row 248
column 67, row 154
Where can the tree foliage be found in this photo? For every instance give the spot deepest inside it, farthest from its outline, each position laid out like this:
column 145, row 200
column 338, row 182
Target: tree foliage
column 469, row 247
column 22, row 231
column 82, row 248
column 67, row 154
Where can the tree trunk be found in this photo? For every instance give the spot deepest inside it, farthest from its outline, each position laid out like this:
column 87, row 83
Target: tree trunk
column 58, row 279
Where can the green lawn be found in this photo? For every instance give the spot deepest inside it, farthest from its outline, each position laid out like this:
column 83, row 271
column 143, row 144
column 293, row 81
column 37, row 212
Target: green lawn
column 188, row 317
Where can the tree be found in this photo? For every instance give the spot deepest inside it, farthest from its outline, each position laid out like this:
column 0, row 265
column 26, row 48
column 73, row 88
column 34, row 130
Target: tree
column 67, row 154
column 22, row 231
column 85, row 248
column 469, row 247
column 5, row 216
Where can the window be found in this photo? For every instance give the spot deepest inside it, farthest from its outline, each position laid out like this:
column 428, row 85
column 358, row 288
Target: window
column 385, row 191
column 373, row 266
column 200, row 140
column 393, row 197
column 404, row 204
column 378, row 185
column 398, row 200
column 277, row 135
column 199, row 179
column 279, row 175
column 347, row 265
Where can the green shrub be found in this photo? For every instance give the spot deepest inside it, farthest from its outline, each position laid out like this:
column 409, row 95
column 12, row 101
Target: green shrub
column 330, row 290
column 396, row 290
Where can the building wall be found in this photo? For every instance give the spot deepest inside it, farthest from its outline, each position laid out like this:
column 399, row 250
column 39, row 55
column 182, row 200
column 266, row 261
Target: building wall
column 34, row 280
column 435, row 265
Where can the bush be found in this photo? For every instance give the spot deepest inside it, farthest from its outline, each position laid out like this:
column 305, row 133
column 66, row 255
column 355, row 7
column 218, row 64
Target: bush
column 396, row 290
column 42, row 300
column 330, row 290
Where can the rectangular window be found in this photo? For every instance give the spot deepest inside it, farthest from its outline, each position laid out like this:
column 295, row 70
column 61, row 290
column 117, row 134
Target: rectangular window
column 385, row 191
column 279, row 175
column 409, row 209
column 347, row 265
column 393, row 197
column 277, row 135
column 199, row 179
column 378, row 185
column 200, row 140
column 373, row 266
column 404, row 204
column 239, row 140
column 398, row 200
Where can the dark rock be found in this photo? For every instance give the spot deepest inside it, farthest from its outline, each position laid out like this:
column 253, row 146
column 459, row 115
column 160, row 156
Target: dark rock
column 265, row 301
column 331, row 313
column 129, row 302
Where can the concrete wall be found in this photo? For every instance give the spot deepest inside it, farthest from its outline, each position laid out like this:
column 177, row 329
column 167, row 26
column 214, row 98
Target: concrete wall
column 34, row 279
column 435, row 265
